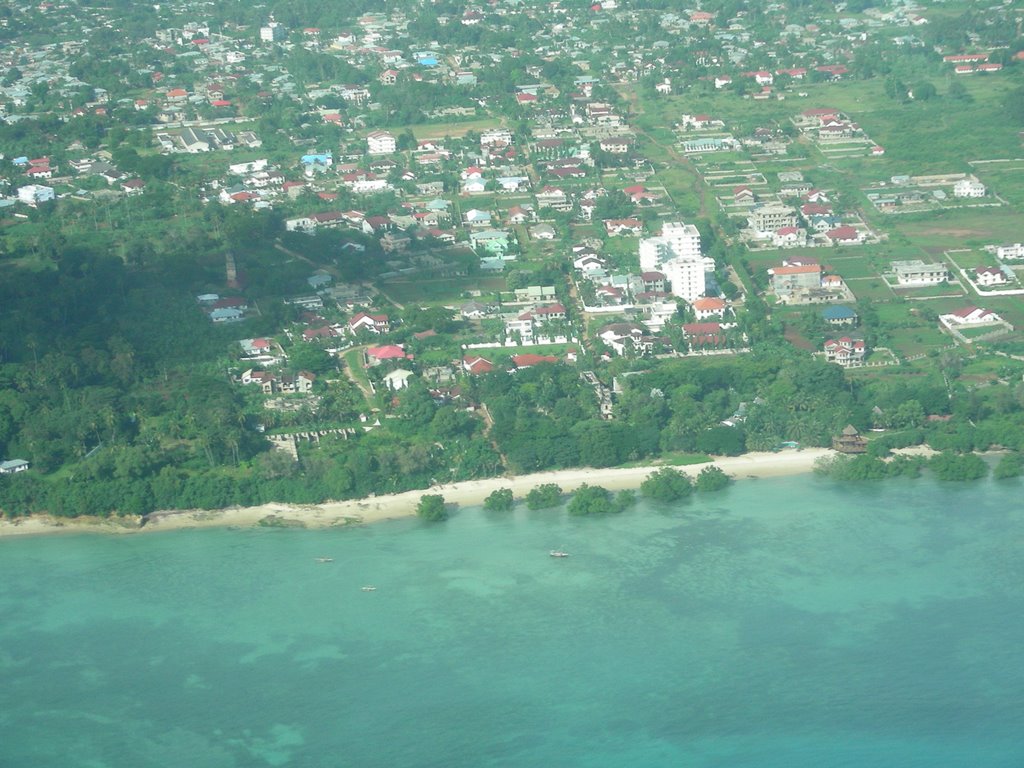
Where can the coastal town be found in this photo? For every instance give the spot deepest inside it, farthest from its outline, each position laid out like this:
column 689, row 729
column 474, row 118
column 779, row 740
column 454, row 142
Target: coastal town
column 599, row 383
column 392, row 248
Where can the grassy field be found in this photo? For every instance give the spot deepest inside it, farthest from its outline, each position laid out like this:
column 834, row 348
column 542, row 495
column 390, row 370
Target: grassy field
column 1005, row 179
column 442, row 290
column 853, row 267
column 962, row 228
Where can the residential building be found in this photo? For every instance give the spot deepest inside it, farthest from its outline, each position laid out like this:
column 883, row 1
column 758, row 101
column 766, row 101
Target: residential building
column 970, row 316
column 844, row 235
column 708, row 308
column 475, row 365
column 916, row 272
column 989, row 276
column 845, row 351
column 376, row 324
column 769, row 218
column 839, row 316
column 794, row 278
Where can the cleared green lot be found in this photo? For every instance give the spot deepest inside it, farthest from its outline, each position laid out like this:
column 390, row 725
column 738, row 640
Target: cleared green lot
column 442, row 290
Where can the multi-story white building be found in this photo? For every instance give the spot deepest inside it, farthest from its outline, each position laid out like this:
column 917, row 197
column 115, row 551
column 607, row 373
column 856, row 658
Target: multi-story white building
column 968, row 188
column 676, row 239
column 686, row 276
column 676, row 253
column 767, row 219
column 917, row 272
column 380, row 143
column 272, row 32
column 1015, row 251
column 495, row 136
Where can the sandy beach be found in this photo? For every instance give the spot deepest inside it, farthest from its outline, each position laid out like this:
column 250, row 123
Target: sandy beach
column 375, row 509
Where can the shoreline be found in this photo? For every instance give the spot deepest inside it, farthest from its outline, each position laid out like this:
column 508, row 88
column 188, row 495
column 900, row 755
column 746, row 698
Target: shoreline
column 334, row 514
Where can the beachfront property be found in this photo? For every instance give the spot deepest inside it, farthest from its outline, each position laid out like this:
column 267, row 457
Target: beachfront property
column 850, row 441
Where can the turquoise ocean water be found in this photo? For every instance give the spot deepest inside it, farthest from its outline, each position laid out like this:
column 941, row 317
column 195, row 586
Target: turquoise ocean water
column 779, row 624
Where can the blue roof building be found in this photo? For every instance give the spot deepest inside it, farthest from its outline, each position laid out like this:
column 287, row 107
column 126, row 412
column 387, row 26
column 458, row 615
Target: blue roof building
column 839, row 315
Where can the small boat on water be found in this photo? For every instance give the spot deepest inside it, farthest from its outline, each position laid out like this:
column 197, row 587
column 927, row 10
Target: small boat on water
column 558, row 553
column 369, row 588
column 325, row 559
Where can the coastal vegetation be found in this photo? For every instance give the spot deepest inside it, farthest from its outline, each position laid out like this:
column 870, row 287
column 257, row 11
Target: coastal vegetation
column 432, row 508
column 595, row 500
column 500, row 500
column 667, row 485
column 712, row 479
column 544, row 496
column 1010, row 465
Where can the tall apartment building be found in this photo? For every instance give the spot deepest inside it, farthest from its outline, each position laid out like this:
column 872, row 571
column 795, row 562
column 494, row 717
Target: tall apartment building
column 676, row 253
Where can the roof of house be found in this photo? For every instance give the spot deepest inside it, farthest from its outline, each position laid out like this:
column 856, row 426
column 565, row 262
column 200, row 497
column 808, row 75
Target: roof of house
column 800, row 269
column 387, row 352
column 845, row 232
column 475, row 364
column 837, row 312
column 708, row 304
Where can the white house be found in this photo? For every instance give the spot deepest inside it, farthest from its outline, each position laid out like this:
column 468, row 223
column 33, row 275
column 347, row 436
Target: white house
column 789, row 237
column 988, row 276
column 970, row 316
column 845, row 351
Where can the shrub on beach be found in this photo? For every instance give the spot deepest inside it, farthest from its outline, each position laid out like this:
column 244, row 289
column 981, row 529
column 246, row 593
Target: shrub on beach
column 431, row 507
column 544, row 496
column 712, row 478
column 667, row 484
column 500, row 500
column 592, row 500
